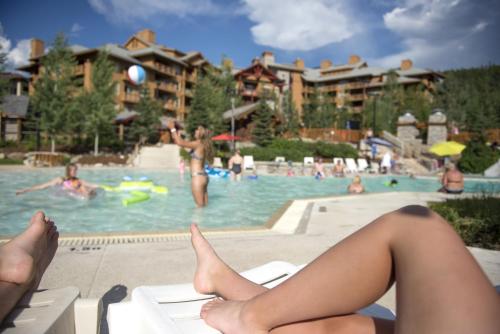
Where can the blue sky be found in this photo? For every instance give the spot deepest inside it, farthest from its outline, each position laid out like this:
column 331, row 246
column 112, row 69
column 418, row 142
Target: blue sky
column 438, row 34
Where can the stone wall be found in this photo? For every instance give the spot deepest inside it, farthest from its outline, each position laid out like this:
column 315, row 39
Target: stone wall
column 437, row 130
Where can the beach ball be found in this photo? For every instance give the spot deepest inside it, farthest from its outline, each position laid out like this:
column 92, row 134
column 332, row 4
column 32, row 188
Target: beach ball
column 136, row 74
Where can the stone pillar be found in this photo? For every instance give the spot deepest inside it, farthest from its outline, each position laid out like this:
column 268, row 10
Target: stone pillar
column 437, row 130
column 407, row 127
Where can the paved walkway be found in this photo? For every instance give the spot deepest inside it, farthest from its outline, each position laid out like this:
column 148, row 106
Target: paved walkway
column 112, row 271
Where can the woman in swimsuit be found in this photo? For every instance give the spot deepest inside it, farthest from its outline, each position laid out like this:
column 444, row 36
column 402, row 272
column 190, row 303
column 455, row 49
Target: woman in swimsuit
column 70, row 183
column 201, row 151
column 235, row 164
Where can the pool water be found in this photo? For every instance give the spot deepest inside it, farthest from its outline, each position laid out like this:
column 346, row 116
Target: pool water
column 231, row 204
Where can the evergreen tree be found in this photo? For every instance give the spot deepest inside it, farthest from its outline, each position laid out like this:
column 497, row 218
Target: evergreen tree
column 290, row 115
column 311, row 110
column 145, row 127
column 4, row 83
column 263, row 132
column 55, row 90
column 98, row 106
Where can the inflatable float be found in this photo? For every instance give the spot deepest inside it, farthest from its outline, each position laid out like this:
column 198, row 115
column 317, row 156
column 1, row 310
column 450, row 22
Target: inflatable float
column 217, row 172
column 138, row 190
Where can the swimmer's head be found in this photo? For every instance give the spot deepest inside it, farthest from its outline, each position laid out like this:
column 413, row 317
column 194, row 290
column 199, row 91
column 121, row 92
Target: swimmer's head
column 71, row 170
column 357, row 179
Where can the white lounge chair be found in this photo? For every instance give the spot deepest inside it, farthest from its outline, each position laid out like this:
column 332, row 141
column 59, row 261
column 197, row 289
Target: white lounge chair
column 175, row 309
column 375, row 168
column 279, row 160
column 248, row 162
column 351, row 166
column 55, row 311
column 217, row 162
column 308, row 161
column 362, row 165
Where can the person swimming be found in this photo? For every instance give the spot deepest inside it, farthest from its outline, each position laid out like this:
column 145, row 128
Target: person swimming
column 70, row 183
column 200, row 151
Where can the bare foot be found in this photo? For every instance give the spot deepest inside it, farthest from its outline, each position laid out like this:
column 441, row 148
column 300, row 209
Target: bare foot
column 21, row 256
column 228, row 317
column 209, row 266
column 47, row 254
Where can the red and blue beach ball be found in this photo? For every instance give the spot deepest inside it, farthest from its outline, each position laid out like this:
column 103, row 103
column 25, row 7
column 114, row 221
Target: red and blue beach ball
column 136, row 74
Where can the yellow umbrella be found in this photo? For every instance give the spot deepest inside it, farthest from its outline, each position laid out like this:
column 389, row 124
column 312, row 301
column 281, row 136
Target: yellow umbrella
column 447, row 148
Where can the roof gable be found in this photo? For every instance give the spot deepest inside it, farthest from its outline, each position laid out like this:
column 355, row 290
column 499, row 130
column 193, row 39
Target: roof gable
column 258, row 71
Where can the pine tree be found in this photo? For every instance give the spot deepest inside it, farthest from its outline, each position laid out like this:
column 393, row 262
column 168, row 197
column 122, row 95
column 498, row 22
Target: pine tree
column 145, row 127
column 55, row 90
column 263, row 132
column 98, row 106
column 4, row 83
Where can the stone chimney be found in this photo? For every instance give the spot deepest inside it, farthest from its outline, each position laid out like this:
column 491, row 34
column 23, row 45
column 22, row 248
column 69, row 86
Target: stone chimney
column 406, row 64
column 299, row 63
column 267, row 58
column 353, row 59
column 37, row 48
column 147, row 35
column 326, row 63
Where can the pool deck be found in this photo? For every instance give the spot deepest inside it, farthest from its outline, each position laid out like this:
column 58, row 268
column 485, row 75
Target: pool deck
column 304, row 230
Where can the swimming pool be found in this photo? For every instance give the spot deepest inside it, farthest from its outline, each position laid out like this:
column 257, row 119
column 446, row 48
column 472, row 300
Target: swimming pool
column 231, row 204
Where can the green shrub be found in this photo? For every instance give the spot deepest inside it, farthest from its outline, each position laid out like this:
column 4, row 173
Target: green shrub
column 477, row 157
column 477, row 220
column 10, row 162
column 297, row 150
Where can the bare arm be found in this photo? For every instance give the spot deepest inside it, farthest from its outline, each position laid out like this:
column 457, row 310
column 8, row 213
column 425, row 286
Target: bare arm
column 184, row 143
column 89, row 185
column 230, row 163
column 46, row 185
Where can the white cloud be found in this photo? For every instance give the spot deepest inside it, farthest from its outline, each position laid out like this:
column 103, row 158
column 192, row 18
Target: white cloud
column 130, row 10
column 18, row 55
column 76, row 28
column 300, row 25
column 444, row 33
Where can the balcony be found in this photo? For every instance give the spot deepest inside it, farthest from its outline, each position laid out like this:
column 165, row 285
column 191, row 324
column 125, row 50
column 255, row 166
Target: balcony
column 164, row 69
column 191, row 77
column 79, row 69
column 357, row 97
column 132, row 97
column 168, row 87
column 356, row 85
column 189, row 93
column 170, row 105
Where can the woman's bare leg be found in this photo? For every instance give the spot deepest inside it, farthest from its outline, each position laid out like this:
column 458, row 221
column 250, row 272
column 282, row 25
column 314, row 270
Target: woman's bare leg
column 214, row 276
column 440, row 288
column 24, row 259
column 198, row 190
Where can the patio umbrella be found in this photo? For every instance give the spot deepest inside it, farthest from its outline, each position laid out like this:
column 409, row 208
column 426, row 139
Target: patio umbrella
column 225, row 137
column 378, row 141
column 446, row 148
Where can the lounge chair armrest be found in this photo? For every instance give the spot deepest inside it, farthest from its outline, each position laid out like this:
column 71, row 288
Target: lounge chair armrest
column 88, row 313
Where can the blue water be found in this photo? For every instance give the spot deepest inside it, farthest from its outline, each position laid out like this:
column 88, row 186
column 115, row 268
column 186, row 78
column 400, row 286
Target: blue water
column 231, row 204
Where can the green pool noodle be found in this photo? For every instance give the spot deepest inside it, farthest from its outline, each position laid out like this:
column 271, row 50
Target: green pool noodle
column 137, row 197
column 159, row 190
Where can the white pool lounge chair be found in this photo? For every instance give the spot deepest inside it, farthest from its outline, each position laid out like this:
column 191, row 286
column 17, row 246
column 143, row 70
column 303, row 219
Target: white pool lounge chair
column 55, row 311
column 279, row 160
column 175, row 309
column 248, row 163
column 362, row 165
column 217, row 162
column 351, row 166
column 308, row 161
column 375, row 168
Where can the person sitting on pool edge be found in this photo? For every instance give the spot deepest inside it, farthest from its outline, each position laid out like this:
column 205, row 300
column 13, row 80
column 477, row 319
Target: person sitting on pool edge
column 356, row 187
column 70, row 183
column 319, row 172
column 24, row 259
column 338, row 169
column 440, row 288
column 235, row 166
column 201, row 151
column 452, row 180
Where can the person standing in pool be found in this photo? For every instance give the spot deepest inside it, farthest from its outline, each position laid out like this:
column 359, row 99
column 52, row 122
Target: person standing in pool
column 452, row 181
column 235, row 166
column 69, row 183
column 200, row 151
